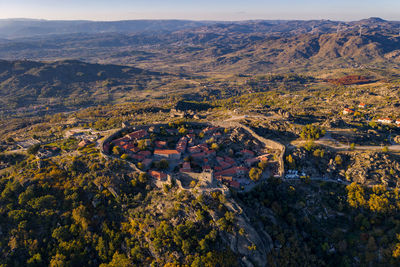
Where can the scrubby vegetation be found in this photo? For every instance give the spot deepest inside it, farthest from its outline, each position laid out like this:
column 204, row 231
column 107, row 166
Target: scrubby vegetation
column 64, row 203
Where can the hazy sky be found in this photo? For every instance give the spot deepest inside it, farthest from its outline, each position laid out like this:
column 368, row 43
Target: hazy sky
column 200, row 9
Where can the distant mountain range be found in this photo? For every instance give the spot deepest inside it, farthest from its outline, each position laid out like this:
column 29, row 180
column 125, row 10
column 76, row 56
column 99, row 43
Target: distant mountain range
column 13, row 28
column 83, row 62
column 206, row 46
column 20, row 28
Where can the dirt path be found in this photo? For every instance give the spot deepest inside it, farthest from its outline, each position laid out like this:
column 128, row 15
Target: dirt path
column 337, row 146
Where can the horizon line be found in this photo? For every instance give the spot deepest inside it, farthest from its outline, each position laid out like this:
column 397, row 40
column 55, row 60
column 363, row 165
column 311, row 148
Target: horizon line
column 180, row 19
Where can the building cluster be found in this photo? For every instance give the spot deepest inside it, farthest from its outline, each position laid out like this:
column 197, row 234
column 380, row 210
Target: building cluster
column 349, row 111
column 194, row 151
column 388, row 121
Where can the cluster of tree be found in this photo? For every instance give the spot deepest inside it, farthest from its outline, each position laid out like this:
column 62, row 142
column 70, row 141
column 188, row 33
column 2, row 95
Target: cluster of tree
column 312, row 132
column 379, row 199
column 73, row 212
column 361, row 225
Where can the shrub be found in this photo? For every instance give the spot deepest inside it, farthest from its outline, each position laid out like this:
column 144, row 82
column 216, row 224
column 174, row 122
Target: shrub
column 255, row 174
column 312, row 132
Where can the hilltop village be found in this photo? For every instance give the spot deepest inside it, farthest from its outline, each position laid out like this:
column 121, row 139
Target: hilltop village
column 196, row 151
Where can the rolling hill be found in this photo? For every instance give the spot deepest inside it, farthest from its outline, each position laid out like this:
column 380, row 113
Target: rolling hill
column 13, row 28
column 222, row 47
column 24, row 84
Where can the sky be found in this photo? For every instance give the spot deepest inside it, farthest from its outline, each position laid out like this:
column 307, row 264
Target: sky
column 346, row 10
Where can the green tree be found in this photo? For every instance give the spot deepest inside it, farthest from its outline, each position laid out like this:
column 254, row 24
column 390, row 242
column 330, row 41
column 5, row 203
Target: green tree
column 263, row 165
column 378, row 203
column 58, row 260
column 214, row 146
column 143, row 177
column 116, row 150
column 35, row 260
column 142, row 144
column 338, row 160
column 183, row 130
column 355, row 195
column 140, row 165
column 118, row 260
column 255, row 174
column 319, row 153
column 80, row 216
column 309, row 145
column 291, row 162
column 396, row 251
column 312, row 132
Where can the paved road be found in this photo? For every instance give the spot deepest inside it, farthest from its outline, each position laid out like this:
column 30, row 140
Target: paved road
column 319, row 179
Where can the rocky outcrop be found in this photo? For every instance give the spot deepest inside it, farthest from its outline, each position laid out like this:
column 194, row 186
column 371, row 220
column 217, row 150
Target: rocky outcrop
column 252, row 244
column 373, row 168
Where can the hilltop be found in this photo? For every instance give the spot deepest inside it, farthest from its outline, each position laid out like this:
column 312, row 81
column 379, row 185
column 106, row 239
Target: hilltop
column 69, row 82
column 179, row 143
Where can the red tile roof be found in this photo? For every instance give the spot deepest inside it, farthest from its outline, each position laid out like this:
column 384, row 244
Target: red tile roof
column 348, row 110
column 229, row 160
column 199, row 155
column 160, row 144
column 234, row 184
column 186, row 167
column 227, row 172
column 145, row 153
column 264, row 157
column 210, row 152
column 248, row 152
column 119, row 140
column 207, row 167
column 147, row 162
column 181, row 145
column 165, row 152
column 195, row 149
column 137, row 157
column 137, row 134
column 251, row 161
column 134, row 149
column 225, row 165
column 128, row 146
column 158, row 175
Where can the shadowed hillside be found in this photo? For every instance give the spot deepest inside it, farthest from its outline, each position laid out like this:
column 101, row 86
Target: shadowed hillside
column 70, row 82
